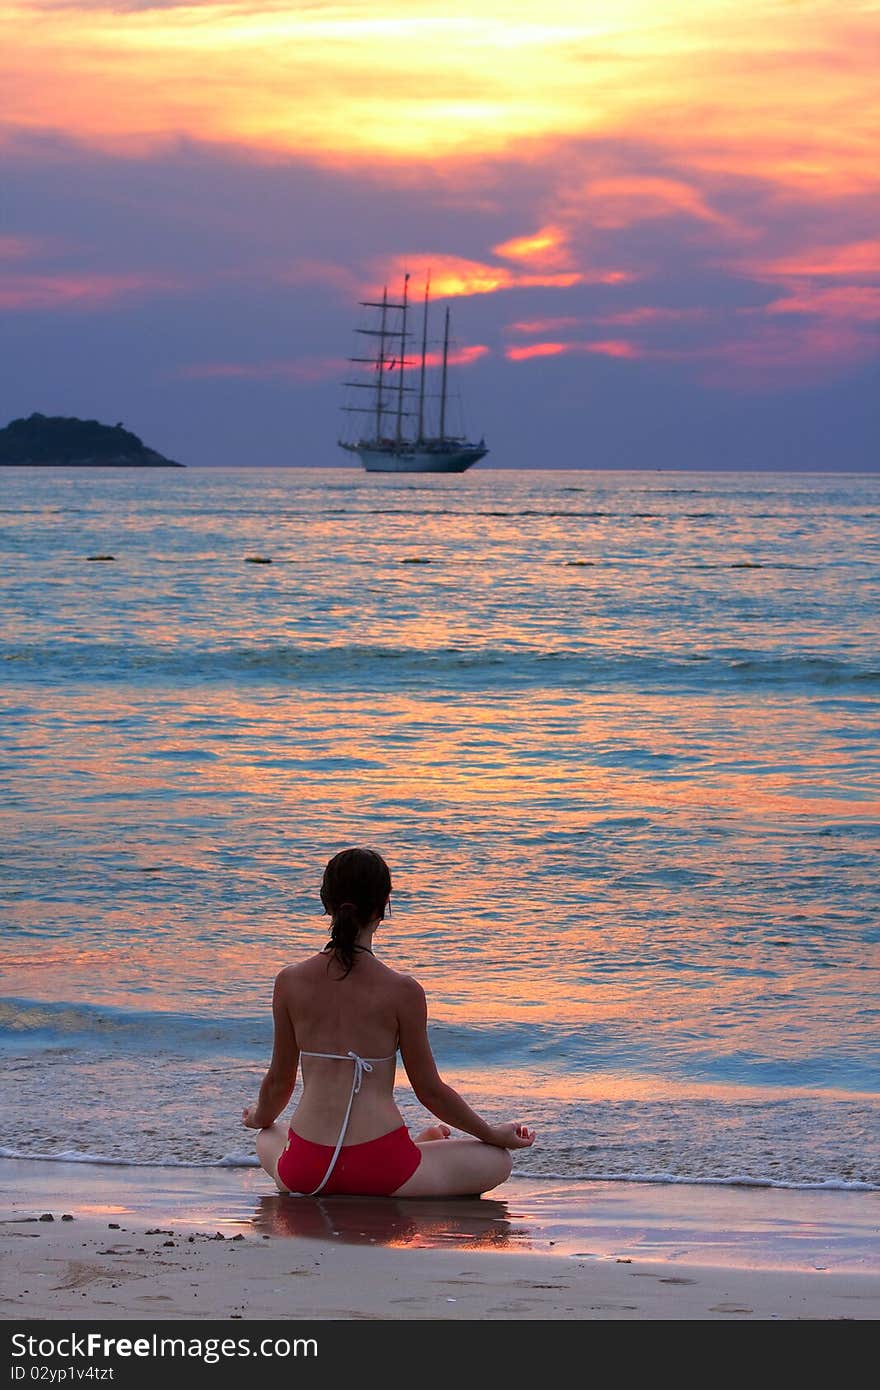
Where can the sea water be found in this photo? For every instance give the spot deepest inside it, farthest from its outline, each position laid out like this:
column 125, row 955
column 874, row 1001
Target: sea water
column 615, row 733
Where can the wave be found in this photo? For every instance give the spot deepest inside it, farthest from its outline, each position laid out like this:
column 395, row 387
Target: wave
column 670, row 1179
column 38, row 1033
column 60, row 1023
column 35, row 1021
column 438, row 668
column 34, row 1024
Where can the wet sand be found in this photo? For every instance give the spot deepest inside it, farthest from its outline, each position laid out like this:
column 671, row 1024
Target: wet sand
column 166, row 1243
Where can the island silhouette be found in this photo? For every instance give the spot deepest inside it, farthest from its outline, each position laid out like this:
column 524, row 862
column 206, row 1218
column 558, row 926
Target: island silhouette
column 59, row 440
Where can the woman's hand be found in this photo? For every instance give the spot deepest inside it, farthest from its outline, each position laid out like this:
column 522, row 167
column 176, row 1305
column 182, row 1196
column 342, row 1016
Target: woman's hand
column 512, row 1136
column 247, row 1118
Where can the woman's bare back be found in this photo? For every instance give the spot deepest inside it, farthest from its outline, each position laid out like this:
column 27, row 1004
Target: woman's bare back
column 336, row 1013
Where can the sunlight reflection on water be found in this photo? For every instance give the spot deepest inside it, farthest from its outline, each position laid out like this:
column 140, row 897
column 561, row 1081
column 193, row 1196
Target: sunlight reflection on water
column 629, row 806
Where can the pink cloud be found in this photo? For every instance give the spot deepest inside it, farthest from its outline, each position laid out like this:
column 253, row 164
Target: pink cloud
column 614, row 347
column 542, row 325
column 521, row 352
column 309, row 369
column 630, row 318
column 459, row 356
column 798, row 353
column 72, row 290
column 19, row 248
column 616, row 202
column 611, row 347
column 850, row 259
column 857, row 302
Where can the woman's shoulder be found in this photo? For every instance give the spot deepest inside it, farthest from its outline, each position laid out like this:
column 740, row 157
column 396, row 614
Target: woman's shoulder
column 405, row 987
column 297, row 969
column 408, row 989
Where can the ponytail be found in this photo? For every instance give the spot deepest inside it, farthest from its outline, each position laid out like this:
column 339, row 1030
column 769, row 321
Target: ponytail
column 343, row 932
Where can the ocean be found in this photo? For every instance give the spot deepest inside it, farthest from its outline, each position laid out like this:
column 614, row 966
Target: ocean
column 615, row 733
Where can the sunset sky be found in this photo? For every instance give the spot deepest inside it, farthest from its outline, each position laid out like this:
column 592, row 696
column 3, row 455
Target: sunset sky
column 659, row 223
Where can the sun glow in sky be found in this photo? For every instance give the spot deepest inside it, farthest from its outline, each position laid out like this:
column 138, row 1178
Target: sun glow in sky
column 703, row 174
column 784, row 89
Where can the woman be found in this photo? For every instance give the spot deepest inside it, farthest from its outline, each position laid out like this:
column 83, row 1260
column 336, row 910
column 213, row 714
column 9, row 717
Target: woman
column 346, row 1014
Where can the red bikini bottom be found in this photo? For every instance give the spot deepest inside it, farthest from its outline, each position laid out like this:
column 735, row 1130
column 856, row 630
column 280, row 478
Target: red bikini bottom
column 374, row 1169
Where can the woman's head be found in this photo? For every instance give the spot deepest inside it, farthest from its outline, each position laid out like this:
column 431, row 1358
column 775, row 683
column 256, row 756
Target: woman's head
column 354, row 891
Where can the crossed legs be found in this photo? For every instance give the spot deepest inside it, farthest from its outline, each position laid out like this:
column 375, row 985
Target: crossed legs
column 449, row 1167
column 455, row 1167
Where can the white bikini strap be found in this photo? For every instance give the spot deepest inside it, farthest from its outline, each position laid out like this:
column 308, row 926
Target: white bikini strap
column 344, row 1057
column 361, row 1065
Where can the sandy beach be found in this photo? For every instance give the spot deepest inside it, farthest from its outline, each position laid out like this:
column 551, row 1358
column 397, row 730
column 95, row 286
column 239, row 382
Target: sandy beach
column 184, row 1244
column 439, row 557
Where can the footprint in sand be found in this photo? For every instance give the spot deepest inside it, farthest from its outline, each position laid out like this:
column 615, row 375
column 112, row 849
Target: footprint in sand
column 79, row 1272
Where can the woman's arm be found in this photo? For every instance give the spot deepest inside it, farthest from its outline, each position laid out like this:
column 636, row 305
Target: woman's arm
column 278, row 1083
column 431, row 1090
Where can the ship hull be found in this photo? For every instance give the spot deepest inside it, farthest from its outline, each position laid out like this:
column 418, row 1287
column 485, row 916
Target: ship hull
column 419, row 460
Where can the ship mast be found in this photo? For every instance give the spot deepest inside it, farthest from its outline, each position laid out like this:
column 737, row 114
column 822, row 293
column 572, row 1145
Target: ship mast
column 402, row 361
column 424, row 356
column 384, row 362
column 443, row 379
column 380, row 364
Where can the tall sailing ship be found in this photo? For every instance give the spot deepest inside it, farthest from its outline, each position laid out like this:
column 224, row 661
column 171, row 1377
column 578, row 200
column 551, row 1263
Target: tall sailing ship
column 398, row 436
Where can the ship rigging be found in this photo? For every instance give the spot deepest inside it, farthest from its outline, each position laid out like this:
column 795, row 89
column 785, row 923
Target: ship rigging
column 390, row 443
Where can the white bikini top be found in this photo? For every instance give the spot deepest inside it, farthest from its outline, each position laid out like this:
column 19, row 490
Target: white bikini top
column 361, row 1066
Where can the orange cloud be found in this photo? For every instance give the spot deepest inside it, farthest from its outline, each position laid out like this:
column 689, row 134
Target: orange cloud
column 547, row 248
column 70, row 290
column 780, row 92
column 763, row 106
column 453, row 276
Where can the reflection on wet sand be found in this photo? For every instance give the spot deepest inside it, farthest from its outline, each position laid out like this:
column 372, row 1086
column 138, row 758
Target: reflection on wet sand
column 467, row 1223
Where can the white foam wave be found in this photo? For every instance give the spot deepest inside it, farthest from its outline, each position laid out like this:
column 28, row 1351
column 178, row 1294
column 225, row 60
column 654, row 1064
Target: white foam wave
column 107, row 1160
column 249, row 1161
column 743, row 1180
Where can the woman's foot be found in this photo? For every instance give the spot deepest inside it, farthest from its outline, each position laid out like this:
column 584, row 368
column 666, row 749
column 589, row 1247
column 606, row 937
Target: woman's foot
column 433, row 1132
